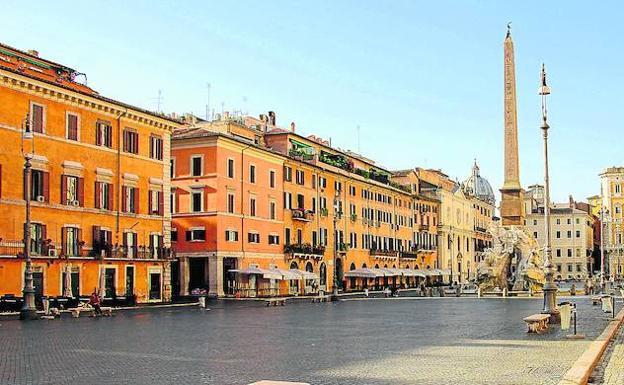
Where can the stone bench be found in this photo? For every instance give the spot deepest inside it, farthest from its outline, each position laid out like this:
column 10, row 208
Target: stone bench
column 276, row 302
column 106, row 311
column 537, row 322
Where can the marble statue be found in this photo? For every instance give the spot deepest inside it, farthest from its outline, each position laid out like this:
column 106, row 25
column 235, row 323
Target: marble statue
column 513, row 262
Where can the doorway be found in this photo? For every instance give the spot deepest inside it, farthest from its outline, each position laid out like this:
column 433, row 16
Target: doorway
column 155, row 287
column 38, row 286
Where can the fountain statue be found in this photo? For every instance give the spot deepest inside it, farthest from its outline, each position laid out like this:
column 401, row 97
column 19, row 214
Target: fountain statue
column 514, row 261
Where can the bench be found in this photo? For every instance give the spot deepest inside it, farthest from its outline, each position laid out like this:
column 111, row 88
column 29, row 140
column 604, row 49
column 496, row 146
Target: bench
column 537, row 322
column 106, row 311
column 276, row 302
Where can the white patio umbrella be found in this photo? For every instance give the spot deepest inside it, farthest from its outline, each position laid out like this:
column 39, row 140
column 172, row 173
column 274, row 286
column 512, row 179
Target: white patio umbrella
column 67, row 291
column 102, row 288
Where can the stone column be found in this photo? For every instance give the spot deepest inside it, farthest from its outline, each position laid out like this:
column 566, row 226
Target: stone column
column 215, row 276
column 184, row 276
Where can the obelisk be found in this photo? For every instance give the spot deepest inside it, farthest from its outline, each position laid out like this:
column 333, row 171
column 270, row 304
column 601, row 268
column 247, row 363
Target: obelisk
column 512, row 194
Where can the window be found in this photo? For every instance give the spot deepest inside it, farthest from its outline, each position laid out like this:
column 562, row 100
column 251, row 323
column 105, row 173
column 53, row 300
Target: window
column 230, row 203
column 569, row 221
column 71, row 129
column 253, row 237
column 39, row 186
column 578, row 233
column 558, row 234
column 534, row 222
column 300, row 177
column 338, row 186
column 37, row 238
column 130, row 201
column 313, row 181
column 156, row 147
column 196, row 201
column 71, row 240
column 230, row 168
column 231, row 235
column 322, row 182
column 535, row 234
column 287, row 174
column 272, row 210
column 569, row 233
column 103, row 196
column 287, row 236
column 272, row 179
column 569, row 268
column 558, row 252
column 617, row 186
column 578, row 221
column 300, row 201
column 273, row 239
column 252, row 173
column 196, row 166
column 130, row 141
column 37, row 116
column 252, row 207
column 72, row 191
column 172, row 167
column 155, row 201
column 558, row 221
column 569, row 252
column 172, row 202
column 352, row 190
column 197, row 234
column 103, row 134
column 287, row 200
column 174, row 234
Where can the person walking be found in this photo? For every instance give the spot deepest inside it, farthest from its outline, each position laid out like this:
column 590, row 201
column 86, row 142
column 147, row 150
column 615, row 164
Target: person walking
column 94, row 301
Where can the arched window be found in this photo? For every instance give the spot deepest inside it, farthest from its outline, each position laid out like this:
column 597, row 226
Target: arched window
column 363, row 266
column 323, row 274
column 376, row 266
column 293, row 265
column 309, row 267
column 394, row 266
column 352, row 267
column 416, row 267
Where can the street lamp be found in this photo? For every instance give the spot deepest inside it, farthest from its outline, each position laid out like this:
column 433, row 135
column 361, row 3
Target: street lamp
column 604, row 212
column 550, row 288
column 337, row 214
column 28, row 311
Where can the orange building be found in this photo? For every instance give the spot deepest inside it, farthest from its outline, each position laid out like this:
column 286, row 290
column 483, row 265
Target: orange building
column 309, row 204
column 99, row 186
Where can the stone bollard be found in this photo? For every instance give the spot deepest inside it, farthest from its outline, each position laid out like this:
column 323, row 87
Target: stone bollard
column 479, row 293
column 505, row 293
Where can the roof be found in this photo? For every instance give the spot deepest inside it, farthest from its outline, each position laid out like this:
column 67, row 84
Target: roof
column 47, row 74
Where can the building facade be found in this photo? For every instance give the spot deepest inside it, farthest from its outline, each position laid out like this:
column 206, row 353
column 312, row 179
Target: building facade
column 98, row 186
column 572, row 234
column 306, row 210
column 612, row 193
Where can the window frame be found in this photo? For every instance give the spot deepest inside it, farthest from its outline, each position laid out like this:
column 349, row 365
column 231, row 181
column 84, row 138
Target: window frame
column 77, row 116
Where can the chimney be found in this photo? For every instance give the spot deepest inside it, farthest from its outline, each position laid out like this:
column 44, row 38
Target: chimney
column 571, row 201
column 272, row 118
column 33, row 52
column 292, row 126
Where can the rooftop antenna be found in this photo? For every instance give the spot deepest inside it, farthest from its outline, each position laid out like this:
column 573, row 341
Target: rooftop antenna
column 208, row 116
column 159, row 100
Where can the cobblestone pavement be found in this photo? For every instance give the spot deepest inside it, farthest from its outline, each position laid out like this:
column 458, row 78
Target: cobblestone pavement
column 610, row 370
column 373, row 341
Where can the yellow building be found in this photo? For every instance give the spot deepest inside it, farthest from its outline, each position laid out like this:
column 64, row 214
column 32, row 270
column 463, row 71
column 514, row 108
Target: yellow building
column 99, row 186
column 612, row 192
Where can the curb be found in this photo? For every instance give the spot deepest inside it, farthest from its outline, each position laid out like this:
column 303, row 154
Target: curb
column 581, row 370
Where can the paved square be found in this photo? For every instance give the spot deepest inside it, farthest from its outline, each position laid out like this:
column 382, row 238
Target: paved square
column 374, row 341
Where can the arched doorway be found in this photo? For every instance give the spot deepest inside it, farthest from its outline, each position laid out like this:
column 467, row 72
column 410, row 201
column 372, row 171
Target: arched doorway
column 323, row 276
column 339, row 272
column 309, row 283
column 352, row 280
column 293, row 284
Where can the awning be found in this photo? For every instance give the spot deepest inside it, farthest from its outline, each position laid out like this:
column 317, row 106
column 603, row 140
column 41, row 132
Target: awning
column 267, row 274
column 287, row 274
column 364, row 273
column 412, row 273
column 388, row 272
column 303, row 274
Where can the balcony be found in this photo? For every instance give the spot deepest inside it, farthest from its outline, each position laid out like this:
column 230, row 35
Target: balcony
column 480, row 229
column 383, row 254
column 336, row 160
column 408, row 255
column 108, row 251
column 302, row 215
column 302, row 154
column 423, row 227
column 13, row 248
column 304, row 251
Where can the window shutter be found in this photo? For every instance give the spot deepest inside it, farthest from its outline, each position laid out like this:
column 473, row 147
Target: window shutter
column 124, row 193
column 37, row 118
column 135, row 246
column 81, row 191
column 109, row 238
column 98, row 190
column 46, row 186
column 149, row 202
column 44, row 232
column 63, row 239
column 136, row 200
column 79, row 242
column 63, row 189
column 161, row 203
column 97, row 241
column 98, row 134
column 111, row 194
column 188, row 235
column 125, row 140
column 109, row 136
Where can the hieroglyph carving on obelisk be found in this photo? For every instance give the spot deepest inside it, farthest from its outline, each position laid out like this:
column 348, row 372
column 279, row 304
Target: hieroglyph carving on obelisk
column 512, row 167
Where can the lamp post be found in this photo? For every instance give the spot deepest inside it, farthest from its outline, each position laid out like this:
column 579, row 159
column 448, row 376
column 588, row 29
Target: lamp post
column 550, row 288
column 603, row 213
column 337, row 213
column 28, row 311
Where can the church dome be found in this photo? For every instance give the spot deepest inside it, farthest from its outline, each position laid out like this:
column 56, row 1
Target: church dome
column 478, row 186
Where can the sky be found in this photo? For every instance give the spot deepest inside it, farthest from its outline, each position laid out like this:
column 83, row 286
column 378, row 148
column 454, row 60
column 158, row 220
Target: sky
column 423, row 80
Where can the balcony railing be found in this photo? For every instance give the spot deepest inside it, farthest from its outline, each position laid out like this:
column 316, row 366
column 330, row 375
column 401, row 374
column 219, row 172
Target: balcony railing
column 408, row 254
column 302, row 215
column 383, row 253
column 305, row 249
column 106, row 251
